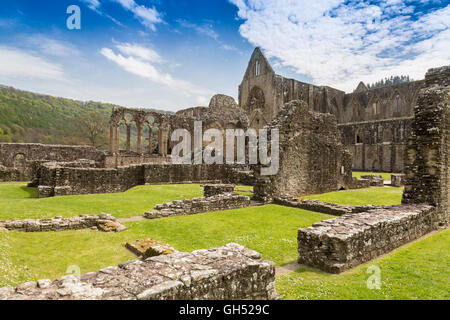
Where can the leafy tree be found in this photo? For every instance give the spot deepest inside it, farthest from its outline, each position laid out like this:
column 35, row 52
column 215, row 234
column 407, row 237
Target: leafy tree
column 93, row 127
column 389, row 81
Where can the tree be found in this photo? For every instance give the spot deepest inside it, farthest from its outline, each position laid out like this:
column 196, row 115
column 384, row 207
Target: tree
column 93, row 127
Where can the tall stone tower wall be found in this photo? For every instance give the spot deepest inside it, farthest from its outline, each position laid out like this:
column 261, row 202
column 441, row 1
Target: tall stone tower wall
column 427, row 168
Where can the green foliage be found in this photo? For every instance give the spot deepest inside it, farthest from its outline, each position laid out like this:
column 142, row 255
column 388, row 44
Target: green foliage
column 389, row 81
column 418, row 271
column 36, row 118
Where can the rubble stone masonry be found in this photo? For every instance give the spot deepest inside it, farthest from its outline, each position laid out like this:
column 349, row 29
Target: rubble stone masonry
column 342, row 243
column 229, row 272
column 427, row 169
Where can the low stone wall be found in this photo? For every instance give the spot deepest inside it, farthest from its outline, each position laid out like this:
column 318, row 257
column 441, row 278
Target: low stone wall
column 199, row 205
column 324, row 207
column 342, row 243
column 11, row 174
column 229, row 272
column 374, row 179
column 103, row 222
column 397, row 180
column 210, row 190
column 359, row 183
column 56, row 180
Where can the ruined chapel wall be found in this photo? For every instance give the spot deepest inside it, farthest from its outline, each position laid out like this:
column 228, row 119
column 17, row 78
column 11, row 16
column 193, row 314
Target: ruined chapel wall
column 427, row 169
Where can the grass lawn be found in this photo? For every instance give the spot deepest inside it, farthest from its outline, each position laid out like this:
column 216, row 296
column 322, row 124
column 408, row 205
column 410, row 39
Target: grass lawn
column 419, row 270
column 270, row 229
column 373, row 195
column 386, row 176
column 19, row 202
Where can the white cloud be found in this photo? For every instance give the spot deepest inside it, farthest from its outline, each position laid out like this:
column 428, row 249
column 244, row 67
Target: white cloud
column 204, row 29
column 138, row 61
column 92, row 4
column 339, row 43
column 149, row 17
column 51, row 47
column 18, row 64
column 141, row 52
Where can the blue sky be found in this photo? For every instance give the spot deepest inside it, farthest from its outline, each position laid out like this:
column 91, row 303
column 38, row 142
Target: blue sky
column 173, row 54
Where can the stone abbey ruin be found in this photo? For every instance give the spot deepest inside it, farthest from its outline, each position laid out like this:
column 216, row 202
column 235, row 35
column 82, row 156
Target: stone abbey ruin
column 324, row 134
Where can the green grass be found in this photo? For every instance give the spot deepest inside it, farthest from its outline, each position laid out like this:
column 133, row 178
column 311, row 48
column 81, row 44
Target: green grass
column 19, row 202
column 270, row 229
column 419, row 270
column 386, row 176
column 373, row 195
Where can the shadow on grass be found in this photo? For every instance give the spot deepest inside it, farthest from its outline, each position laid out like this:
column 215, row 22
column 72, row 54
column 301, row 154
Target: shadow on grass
column 32, row 192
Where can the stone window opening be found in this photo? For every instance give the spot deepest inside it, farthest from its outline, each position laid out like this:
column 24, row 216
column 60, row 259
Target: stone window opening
column 257, row 68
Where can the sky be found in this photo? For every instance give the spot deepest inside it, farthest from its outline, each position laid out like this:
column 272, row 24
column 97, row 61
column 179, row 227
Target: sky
column 175, row 54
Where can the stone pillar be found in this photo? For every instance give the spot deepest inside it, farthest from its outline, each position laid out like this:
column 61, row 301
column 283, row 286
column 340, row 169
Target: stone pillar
column 139, row 137
column 128, row 137
column 162, row 140
column 116, row 138
column 111, row 138
column 427, row 152
column 150, row 139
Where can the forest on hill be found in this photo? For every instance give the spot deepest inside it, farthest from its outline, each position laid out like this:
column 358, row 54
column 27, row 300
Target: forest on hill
column 27, row 117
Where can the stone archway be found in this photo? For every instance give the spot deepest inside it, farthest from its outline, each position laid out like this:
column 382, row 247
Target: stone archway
column 19, row 162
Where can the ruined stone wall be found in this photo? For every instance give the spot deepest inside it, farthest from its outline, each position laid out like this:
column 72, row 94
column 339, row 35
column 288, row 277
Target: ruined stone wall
column 312, row 159
column 199, row 205
column 427, row 169
column 342, row 243
column 377, row 145
column 230, row 272
column 187, row 173
column 55, row 180
column 126, row 159
column 22, row 156
column 58, row 223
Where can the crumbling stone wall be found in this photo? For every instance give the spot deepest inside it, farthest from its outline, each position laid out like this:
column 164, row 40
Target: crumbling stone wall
column 57, row 180
column 427, row 170
column 210, row 190
column 21, row 157
column 342, row 243
column 230, row 272
column 323, row 207
column 312, row 159
column 199, row 205
column 61, row 224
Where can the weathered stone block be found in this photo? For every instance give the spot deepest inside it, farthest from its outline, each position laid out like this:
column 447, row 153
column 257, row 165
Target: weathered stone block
column 147, row 248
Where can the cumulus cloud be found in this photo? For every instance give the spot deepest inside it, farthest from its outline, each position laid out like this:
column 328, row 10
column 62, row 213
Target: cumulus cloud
column 18, row 64
column 340, row 43
column 140, row 61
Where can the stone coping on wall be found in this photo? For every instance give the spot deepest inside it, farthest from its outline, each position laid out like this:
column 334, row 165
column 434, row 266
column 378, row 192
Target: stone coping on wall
column 323, row 207
column 103, row 222
column 228, row 272
column 199, row 205
column 342, row 243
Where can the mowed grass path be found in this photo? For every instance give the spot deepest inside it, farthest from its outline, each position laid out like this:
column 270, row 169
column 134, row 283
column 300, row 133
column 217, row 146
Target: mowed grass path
column 270, row 230
column 385, row 175
column 373, row 195
column 419, row 270
column 19, row 202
